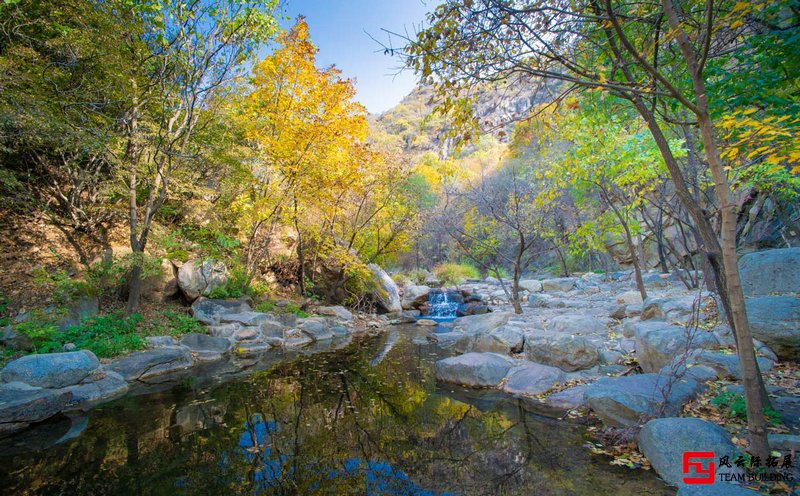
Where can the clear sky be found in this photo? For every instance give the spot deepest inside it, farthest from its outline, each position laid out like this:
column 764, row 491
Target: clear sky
column 339, row 28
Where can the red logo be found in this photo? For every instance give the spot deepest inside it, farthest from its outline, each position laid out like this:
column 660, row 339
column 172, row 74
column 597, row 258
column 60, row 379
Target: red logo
column 695, row 460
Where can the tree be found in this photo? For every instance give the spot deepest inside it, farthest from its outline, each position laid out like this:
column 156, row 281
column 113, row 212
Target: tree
column 641, row 53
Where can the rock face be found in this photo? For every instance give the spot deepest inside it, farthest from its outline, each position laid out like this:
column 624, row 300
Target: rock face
column 565, row 351
column 384, row 290
column 771, row 271
column 775, row 320
column 150, row 364
column 21, row 404
column 663, row 442
column 474, row 369
column 415, row 297
column 657, row 343
column 54, row 370
column 623, row 401
column 198, row 278
column 529, row 379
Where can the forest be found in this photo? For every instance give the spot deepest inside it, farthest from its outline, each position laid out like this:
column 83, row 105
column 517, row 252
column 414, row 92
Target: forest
column 165, row 163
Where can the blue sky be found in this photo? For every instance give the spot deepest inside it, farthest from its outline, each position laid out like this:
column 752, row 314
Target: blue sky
column 339, row 28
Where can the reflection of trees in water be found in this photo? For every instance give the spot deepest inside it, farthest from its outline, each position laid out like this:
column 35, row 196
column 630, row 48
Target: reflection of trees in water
column 329, row 423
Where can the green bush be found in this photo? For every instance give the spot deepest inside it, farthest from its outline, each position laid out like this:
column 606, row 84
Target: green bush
column 64, row 289
column 265, row 307
column 42, row 330
column 172, row 323
column 295, row 309
column 454, row 273
column 106, row 335
column 735, row 405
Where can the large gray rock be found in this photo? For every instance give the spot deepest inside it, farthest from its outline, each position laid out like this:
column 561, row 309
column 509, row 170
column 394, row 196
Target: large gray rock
column 338, row 312
column 530, row 379
column 565, row 351
column 384, row 290
column 775, row 320
column 205, row 347
column 146, row 365
column 53, row 370
column 415, row 296
column 559, row 284
column 771, row 271
column 474, row 369
column 726, row 365
column 480, row 324
column 657, row 343
column 669, row 309
column 624, row 401
column 199, row 278
column 630, row 298
column 577, row 324
column 531, row 285
column 162, row 286
column 209, row 311
column 316, row 328
column 89, row 394
column 21, row 404
column 254, row 319
column 664, row 441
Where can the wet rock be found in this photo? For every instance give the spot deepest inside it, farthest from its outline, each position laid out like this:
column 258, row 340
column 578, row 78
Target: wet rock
column 145, row 365
column 21, row 404
column 472, row 308
column 474, row 369
column 664, row 441
column 248, row 348
column 623, row 401
column 775, row 320
column 770, row 272
column 426, row 322
column 199, row 278
column 531, row 285
column 657, row 343
column 384, row 290
column 209, row 311
column 559, row 284
column 414, row 297
column 479, row 324
column 565, row 351
column 556, row 405
column 530, row 379
column 339, row 312
column 87, row 395
column 52, row 370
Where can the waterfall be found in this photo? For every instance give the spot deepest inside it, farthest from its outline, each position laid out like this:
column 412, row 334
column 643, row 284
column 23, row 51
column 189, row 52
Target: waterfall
column 442, row 305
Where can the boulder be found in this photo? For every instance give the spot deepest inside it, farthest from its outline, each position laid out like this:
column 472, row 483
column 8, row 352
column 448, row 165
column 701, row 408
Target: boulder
column 209, row 311
column 15, row 340
column 206, row 347
column 530, row 379
column 84, row 307
column 511, row 336
column 630, row 298
column 670, row 309
column 295, row 338
column 246, row 334
column 545, row 301
column 531, row 285
column 558, row 284
column 146, row 365
column 770, row 272
column 163, row 286
column 271, row 328
column 160, row 341
column 565, row 351
column 657, row 343
column 480, row 324
column 664, row 441
column 86, row 395
column 52, row 370
column 474, row 369
column 775, row 320
column 21, row 404
column 338, row 312
column 254, row 319
column 384, row 290
column 414, row 297
column 577, row 324
column 472, row 308
column 726, row 365
column 316, row 328
column 199, row 278
column 623, row 401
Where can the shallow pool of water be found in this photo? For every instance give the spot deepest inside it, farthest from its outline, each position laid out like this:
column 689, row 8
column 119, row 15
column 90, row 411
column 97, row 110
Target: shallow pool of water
column 366, row 419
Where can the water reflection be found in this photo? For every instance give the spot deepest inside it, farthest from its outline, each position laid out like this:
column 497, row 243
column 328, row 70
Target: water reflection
column 330, row 423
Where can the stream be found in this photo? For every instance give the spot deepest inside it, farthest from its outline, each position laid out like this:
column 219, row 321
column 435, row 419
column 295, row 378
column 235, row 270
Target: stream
column 368, row 418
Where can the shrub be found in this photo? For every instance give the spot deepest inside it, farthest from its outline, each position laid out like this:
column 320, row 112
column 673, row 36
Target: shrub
column 265, row 306
column 735, row 405
column 454, row 273
column 107, row 335
column 295, row 309
column 41, row 328
column 172, row 323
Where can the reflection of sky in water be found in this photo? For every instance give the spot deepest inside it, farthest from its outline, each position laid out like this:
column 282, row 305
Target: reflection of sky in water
column 380, row 477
